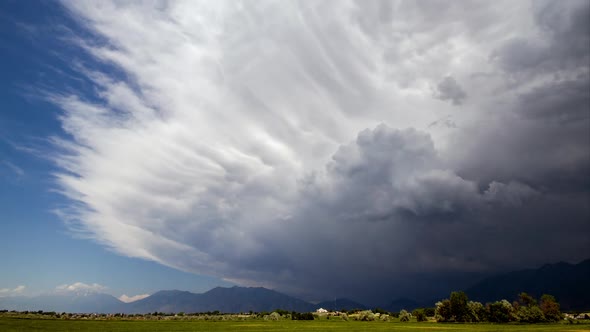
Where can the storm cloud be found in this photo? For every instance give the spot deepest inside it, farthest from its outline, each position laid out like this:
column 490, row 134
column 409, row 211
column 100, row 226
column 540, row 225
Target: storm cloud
column 449, row 89
column 289, row 145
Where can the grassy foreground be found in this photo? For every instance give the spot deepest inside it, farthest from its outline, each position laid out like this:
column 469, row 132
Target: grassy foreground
column 28, row 324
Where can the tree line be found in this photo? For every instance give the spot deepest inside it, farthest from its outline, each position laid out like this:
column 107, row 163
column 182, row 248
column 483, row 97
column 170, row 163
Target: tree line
column 526, row 309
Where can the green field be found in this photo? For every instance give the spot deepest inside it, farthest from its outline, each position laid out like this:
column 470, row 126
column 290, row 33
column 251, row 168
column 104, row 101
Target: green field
column 26, row 324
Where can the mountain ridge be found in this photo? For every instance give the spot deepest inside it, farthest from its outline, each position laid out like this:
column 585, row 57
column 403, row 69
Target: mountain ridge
column 569, row 283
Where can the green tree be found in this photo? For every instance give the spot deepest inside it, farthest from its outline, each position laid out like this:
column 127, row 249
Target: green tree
column 477, row 312
column 532, row 314
column 525, row 300
column 527, row 309
column 420, row 315
column 500, row 312
column 550, row 308
column 459, row 310
column 442, row 311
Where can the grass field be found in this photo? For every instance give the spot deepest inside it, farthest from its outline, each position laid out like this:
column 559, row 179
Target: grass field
column 21, row 324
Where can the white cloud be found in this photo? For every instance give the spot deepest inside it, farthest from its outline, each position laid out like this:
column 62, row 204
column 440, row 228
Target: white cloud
column 80, row 287
column 12, row 291
column 19, row 172
column 228, row 148
column 129, row 299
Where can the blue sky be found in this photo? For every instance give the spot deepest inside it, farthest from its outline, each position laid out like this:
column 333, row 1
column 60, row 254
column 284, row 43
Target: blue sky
column 324, row 149
column 39, row 252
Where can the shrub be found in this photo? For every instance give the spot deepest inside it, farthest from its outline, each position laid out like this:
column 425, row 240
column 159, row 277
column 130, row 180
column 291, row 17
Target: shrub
column 366, row 315
column 404, row 316
column 273, row 316
column 302, row 316
column 429, row 312
column 380, row 311
column 420, row 315
column 282, row 312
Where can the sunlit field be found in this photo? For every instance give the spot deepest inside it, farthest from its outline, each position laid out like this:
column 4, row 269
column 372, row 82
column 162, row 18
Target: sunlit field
column 27, row 324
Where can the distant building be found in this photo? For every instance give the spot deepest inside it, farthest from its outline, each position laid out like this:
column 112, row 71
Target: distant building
column 321, row 311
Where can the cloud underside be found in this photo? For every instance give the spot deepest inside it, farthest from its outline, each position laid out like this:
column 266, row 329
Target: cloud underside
column 288, row 144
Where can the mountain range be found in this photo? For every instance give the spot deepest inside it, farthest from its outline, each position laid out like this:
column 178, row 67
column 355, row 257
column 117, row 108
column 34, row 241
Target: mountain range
column 87, row 303
column 569, row 283
column 233, row 299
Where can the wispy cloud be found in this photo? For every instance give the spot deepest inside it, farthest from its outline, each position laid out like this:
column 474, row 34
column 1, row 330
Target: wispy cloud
column 288, row 143
column 19, row 172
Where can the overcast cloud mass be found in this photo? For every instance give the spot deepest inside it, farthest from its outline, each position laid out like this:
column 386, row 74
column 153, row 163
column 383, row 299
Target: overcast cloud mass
column 332, row 147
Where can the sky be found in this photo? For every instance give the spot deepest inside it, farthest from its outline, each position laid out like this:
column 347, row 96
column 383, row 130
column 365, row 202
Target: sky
column 367, row 149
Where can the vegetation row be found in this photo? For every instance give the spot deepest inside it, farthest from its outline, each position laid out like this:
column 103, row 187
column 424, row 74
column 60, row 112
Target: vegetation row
column 457, row 308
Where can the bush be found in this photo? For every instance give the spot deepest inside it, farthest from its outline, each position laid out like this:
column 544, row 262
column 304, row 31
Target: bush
column 381, row 311
column 420, row 315
column 282, row 312
column 429, row 312
column 366, row 315
column 301, row 316
column 404, row 316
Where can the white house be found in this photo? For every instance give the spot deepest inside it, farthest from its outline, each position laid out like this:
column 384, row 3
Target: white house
column 321, row 311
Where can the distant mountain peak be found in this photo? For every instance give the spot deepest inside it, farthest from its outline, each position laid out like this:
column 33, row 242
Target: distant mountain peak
column 224, row 299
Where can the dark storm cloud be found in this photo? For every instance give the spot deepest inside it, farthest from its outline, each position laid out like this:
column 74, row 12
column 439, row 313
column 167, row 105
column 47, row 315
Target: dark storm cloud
column 388, row 212
column 449, row 89
column 543, row 137
column 563, row 44
column 558, row 101
column 267, row 144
